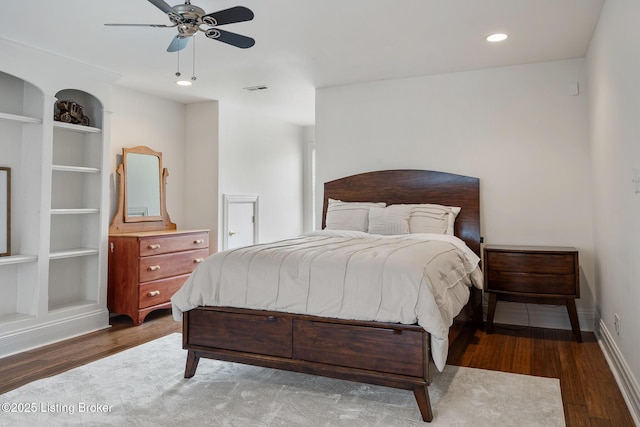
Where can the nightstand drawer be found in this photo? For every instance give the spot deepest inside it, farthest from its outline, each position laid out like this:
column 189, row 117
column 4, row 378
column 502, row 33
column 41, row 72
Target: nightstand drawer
column 531, row 283
column 531, row 263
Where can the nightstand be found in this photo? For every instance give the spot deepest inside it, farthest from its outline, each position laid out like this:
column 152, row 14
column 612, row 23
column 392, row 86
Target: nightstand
column 532, row 274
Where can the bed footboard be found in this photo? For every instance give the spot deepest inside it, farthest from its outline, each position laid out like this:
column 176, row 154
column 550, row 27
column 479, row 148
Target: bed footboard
column 396, row 355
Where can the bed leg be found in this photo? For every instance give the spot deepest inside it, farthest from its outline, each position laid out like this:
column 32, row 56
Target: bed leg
column 192, row 364
column 421, row 392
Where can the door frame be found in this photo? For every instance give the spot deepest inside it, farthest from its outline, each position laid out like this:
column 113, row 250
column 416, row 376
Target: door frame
column 230, row 199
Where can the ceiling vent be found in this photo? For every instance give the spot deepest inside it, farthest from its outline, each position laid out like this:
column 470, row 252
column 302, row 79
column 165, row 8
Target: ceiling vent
column 254, row 88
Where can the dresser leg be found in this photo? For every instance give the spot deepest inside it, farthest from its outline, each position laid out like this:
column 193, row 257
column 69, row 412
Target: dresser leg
column 573, row 318
column 491, row 311
column 138, row 318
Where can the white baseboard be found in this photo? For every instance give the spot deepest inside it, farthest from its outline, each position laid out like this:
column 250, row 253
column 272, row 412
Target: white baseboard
column 624, row 377
column 54, row 331
column 540, row 316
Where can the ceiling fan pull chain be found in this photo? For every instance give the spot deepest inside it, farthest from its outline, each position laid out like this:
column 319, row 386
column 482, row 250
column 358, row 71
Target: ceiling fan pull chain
column 178, row 70
column 193, row 74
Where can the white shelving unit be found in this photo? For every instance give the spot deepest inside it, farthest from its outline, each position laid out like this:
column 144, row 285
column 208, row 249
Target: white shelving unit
column 21, row 130
column 53, row 284
column 76, row 194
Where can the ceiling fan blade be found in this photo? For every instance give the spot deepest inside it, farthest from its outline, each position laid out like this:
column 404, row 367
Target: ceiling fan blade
column 163, row 6
column 140, row 25
column 178, row 43
column 237, row 40
column 228, row 16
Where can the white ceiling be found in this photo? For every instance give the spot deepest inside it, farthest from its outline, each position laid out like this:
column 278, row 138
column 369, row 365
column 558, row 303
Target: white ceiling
column 303, row 44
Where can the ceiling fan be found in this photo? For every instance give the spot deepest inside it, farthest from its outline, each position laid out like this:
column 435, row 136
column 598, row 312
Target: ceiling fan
column 189, row 19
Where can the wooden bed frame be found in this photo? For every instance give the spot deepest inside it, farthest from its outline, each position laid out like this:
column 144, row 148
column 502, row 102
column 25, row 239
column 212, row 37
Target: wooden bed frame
column 387, row 354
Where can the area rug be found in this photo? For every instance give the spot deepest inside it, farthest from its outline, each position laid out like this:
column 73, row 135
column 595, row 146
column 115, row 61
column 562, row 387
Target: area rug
column 144, row 386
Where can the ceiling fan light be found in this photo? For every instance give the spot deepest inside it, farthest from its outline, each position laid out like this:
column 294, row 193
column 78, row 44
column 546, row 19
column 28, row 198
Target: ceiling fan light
column 497, row 37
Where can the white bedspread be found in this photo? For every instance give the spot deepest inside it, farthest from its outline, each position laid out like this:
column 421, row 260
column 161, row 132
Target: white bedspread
column 416, row 278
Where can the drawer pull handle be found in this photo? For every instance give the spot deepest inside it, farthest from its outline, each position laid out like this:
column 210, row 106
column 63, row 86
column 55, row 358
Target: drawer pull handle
column 357, row 328
column 198, row 241
column 154, row 246
column 153, row 294
column 271, row 318
column 153, row 267
column 198, row 260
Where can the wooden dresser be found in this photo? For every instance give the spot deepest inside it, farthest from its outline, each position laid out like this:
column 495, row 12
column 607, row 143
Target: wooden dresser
column 532, row 274
column 146, row 268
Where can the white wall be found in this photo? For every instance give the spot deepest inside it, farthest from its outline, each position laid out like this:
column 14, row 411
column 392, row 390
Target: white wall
column 201, row 169
column 141, row 119
column 614, row 99
column 213, row 149
column 308, row 182
column 515, row 128
column 262, row 156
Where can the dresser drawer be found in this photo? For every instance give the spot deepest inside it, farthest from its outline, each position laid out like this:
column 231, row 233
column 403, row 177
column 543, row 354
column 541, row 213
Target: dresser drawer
column 360, row 346
column 251, row 333
column 162, row 244
column 160, row 291
column 167, row 265
column 531, row 263
column 531, row 283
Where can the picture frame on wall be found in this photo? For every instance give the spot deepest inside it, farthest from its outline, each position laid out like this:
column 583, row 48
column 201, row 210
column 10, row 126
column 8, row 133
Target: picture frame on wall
column 5, row 211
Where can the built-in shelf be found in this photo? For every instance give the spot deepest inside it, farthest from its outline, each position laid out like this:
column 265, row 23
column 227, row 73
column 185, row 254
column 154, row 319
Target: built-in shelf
column 18, row 118
column 53, row 285
column 72, row 305
column 80, row 211
column 17, row 259
column 81, row 169
column 76, row 128
column 14, row 318
column 72, row 253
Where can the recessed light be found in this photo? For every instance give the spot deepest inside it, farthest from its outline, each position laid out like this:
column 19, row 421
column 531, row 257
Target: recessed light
column 497, row 37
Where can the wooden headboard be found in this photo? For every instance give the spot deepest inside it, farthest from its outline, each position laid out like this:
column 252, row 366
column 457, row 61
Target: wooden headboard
column 414, row 186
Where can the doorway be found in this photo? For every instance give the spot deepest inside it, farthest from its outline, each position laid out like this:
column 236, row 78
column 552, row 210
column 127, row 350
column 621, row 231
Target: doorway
column 240, row 221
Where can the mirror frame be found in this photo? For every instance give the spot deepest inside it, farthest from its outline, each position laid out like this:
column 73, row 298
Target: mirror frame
column 121, row 223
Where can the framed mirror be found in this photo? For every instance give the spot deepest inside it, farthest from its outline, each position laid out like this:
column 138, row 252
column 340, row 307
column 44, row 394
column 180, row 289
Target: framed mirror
column 141, row 192
column 143, row 172
column 5, row 211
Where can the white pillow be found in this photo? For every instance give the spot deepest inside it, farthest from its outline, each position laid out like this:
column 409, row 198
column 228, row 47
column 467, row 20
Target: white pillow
column 455, row 210
column 431, row 218
column 349, row 215
column 393, row 219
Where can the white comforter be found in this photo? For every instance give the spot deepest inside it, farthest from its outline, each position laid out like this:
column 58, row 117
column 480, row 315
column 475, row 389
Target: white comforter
column 416, row 278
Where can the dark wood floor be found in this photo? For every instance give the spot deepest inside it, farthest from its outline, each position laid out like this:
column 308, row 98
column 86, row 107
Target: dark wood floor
column 590, row 394
column 589, row 391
